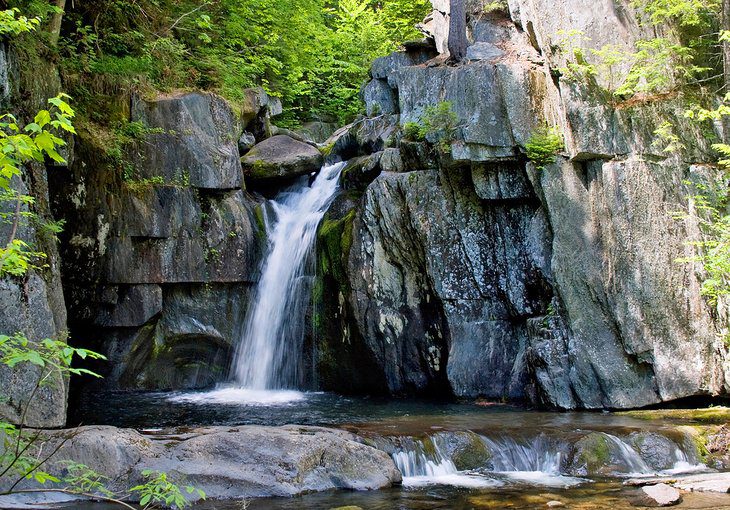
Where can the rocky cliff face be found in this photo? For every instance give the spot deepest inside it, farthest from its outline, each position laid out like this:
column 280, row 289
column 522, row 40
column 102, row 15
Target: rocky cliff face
column 34, row 304
column 476, row 272
column 160, row 256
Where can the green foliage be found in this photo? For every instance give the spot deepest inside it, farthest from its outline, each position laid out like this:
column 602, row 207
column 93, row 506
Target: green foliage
column 544, row 145
column 52, row 359
column 158, row 489
column 713, row 252
column 667, row 139
column 683, row 12
column 498, row 6
column 657, row 66
column 81, row 479
column 440, row 123
column 414, row 132
column 12, row 24
column 36, row 141
column 314, row 54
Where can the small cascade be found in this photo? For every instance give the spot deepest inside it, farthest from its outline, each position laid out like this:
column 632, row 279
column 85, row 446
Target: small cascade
column 538, row 455
column 540, row 460
column 535, row 461
column 269, row 354
column 628, row 458
column 435, row 468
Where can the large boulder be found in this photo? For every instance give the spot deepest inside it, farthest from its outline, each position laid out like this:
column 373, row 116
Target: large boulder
column 191, row 138
column 232, row 463
column 281, row 157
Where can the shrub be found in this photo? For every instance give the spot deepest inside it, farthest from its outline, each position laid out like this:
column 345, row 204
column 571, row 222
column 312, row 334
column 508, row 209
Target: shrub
column 414, row 132
column 544, row 145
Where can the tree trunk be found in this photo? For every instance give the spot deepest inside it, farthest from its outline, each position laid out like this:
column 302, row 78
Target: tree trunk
column 457, row 29
column 726, row 66
column 55, row 27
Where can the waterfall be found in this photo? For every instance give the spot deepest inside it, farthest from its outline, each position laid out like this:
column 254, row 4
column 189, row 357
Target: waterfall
column 270, row 351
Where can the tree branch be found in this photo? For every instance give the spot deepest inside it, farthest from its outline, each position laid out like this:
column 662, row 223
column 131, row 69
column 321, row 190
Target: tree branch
column 97, row 497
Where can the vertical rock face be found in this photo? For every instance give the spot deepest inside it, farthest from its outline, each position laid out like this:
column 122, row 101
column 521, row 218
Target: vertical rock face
column 475, row 272
column 33, row 304
column 161, row 254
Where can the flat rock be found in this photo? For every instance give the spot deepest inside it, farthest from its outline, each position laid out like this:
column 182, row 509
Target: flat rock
column 704, row 482
column 232, row 463
column 281, row 157
column 659, row 495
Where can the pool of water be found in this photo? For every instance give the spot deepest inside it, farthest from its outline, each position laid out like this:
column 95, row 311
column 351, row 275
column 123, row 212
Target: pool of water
column 385, row 416
column 528, row 473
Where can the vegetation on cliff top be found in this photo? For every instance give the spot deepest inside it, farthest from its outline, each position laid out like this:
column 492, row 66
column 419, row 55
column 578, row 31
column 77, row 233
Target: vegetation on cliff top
column 314, row 54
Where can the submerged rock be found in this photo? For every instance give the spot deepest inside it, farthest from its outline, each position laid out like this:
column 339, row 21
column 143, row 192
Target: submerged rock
column 281, row 157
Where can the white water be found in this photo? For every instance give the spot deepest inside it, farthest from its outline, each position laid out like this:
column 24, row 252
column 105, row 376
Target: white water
column 418, row 469
column 268, row 356
column 538, row 462
column 534, row 462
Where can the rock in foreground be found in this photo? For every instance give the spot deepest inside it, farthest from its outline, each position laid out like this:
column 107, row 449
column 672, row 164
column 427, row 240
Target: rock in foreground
column 659, row 495
column 236, row 462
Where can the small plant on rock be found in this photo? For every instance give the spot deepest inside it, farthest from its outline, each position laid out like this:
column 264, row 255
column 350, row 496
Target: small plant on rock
column 544, row 145
column 414, row 132
column 440, row 124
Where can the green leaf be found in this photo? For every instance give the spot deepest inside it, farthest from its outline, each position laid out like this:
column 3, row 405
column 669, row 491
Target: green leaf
column 42, row 118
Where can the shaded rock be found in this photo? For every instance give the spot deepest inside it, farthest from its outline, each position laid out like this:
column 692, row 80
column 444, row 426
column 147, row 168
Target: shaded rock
column 233, row 463
column 421, row 283
column 658, row 495
column 483, row 51
column 391, row 160
column 500, row 182
column 189, row 346
column 417, row 156
column 318, row 131
column 603, row 215
column 134, row 307
column 360, row 172
column 246, row 143
column 656, row 450
column 281, row 157
column 384, row 68
column 465, row 449
column 379, row 98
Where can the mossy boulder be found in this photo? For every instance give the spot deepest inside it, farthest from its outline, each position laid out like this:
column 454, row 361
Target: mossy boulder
column 280, row 158
column 591, row 455
column 465, row 449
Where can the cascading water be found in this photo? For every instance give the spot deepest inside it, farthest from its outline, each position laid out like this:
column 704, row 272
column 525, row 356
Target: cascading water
column 536, row 461
column 269, row 354
column 267, row 367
